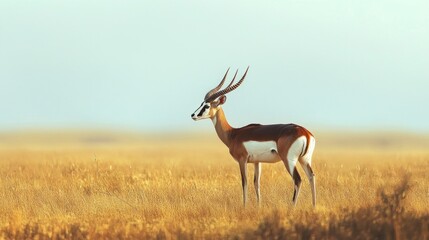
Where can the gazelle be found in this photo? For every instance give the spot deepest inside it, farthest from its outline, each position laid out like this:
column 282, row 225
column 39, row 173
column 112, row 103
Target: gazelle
column 256, row 143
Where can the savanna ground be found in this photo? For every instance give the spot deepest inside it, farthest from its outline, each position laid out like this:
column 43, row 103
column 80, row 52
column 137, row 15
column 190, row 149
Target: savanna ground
column 115, row 186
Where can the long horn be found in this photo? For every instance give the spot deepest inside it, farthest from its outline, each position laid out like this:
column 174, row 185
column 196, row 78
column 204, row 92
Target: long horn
column 214, row 90
column 228, row 89
column 232, row 81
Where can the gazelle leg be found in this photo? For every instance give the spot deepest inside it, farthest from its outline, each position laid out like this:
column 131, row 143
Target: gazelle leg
column 297, row 186
column 313, row 186
column 257, row 180
column 312, row 179
column 243, row 171
column 290, row 164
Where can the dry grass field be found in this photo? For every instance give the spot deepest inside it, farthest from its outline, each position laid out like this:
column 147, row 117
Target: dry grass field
column 122, row 186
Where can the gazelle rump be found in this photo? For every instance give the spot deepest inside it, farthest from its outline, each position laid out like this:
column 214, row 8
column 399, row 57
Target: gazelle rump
column 256, row 143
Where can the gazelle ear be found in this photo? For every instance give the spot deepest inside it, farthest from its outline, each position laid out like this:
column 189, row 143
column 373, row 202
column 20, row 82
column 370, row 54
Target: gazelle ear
column 222, row 99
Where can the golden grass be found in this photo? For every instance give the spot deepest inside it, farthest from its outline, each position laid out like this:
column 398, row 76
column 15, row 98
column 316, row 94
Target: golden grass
column 115, row 186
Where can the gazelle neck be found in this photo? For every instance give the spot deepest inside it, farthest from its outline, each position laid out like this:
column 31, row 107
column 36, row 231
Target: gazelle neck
column 222, row 126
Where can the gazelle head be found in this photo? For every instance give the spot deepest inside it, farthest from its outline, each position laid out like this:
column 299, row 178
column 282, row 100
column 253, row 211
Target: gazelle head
column 215, row 98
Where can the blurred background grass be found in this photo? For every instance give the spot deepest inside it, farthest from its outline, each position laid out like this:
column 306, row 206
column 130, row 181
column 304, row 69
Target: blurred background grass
column 92, row 184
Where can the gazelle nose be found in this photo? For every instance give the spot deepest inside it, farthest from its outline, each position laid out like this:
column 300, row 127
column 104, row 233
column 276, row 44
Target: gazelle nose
column 192, row 115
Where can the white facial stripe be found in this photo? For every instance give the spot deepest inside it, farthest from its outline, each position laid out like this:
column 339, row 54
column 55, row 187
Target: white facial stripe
column 198, row 109
column 262, row 151
column 202, row 112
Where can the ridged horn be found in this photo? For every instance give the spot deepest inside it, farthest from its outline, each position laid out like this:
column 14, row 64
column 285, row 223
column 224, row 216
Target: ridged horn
column 227, row 89
column 214, row 90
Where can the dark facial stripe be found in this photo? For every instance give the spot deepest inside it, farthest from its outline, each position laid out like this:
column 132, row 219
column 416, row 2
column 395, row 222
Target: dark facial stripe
column 202, row 110
column 200, row 106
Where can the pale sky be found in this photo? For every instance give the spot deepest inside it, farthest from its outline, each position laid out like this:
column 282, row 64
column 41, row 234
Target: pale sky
column 146, row 65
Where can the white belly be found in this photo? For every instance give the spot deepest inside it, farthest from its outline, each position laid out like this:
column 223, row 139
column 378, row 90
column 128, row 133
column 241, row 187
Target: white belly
column 262, row 151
